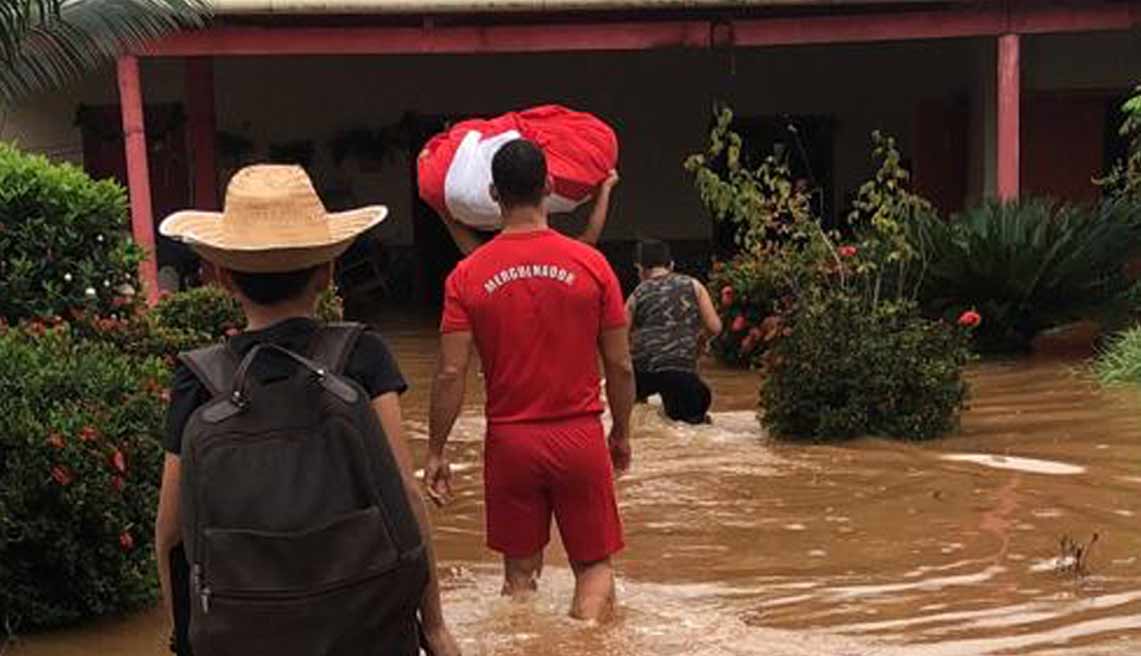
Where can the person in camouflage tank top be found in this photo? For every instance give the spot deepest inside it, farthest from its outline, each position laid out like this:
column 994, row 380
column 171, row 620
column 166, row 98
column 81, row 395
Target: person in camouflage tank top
column 667, row 313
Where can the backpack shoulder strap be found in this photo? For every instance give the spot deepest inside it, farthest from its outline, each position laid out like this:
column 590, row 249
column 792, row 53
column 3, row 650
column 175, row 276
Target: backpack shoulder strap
column 213, row 366
column 334, row 343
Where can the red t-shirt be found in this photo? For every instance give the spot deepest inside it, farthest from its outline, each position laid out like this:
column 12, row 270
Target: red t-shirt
column 536, row 303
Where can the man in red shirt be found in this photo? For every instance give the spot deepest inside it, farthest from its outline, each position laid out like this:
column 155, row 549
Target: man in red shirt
column 539, row 307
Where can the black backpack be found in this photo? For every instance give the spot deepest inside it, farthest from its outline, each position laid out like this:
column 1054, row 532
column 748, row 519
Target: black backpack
column 299, row 534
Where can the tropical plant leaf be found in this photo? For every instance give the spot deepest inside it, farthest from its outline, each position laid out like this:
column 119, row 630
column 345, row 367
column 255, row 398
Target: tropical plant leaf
column 48, row 43
column 1029, row 265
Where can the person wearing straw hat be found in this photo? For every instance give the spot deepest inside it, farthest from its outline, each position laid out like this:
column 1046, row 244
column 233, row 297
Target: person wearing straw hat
column 274, row 245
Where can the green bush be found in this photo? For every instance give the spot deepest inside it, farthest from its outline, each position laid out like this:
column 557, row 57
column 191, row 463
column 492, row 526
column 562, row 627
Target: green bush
column 64, row 240
column 1119, row 363
column 835, row 327
column 845, row 372
column 208, row 311
column 211, row 313
column 1027, row 266
column 80, row 463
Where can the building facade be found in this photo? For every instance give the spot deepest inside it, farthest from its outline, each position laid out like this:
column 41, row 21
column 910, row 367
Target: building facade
column 986, row 99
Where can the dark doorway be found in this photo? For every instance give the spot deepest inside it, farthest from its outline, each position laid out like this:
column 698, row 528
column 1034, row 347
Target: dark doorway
column 104, row 157
column 436, row 251
column 805, row 144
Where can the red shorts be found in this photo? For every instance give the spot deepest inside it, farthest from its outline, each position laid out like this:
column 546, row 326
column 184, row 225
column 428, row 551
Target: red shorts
column 536, row 469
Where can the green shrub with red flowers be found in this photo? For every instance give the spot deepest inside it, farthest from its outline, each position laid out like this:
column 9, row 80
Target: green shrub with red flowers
column 847, row 370
column 752, row 305
column 833, row 324
column 212, row 313
column 64, row 240
column 80, row 461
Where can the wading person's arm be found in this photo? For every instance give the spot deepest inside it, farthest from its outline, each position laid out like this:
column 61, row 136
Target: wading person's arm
column 614, row 344
column 168, row 529
column 597, row 220
column 709, row 316
column 387, row 407
column 448, row 390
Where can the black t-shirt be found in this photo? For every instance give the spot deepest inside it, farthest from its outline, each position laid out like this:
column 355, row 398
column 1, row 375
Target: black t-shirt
column 370, row 364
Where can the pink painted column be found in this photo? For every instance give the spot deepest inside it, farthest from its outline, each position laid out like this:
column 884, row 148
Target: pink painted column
column 1009, row 116
column 202, row 125
column 138, row 172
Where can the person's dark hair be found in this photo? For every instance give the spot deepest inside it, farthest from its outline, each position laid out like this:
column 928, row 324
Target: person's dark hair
column 273, row 288
column 650, row 253
column 519, row 171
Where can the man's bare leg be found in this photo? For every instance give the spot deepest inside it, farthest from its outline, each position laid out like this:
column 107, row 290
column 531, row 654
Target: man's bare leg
column 593, row 590
column 521, row 575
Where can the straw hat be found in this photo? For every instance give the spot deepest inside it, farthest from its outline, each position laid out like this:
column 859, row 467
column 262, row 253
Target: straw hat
column 273, row 222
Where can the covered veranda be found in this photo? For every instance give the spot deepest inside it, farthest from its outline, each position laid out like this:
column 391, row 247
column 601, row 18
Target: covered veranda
column 494, row 31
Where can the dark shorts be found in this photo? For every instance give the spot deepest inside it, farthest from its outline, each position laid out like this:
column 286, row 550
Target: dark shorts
column 534, row 471
column 684, row 395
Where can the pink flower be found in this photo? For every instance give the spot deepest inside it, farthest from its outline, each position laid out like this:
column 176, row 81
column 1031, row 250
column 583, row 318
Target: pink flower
column 739, row 324
column 126, row 541
column 847, row 251
column 970, row 319
column 62, row 475
column 726, row 296
column 231, row 332
column 119, row 461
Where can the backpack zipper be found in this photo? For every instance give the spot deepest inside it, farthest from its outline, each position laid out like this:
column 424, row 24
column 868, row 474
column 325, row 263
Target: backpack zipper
column 205, row 594
column 202, row 589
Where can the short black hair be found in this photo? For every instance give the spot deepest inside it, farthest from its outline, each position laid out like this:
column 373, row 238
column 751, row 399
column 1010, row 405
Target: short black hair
column 519, row 171
column 650, row 253
column 274, row 288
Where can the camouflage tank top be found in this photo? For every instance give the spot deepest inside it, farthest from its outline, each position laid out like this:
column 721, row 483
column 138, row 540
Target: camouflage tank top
column 666, row 324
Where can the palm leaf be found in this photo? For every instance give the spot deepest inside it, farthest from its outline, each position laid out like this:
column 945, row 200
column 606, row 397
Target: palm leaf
column 48, row 43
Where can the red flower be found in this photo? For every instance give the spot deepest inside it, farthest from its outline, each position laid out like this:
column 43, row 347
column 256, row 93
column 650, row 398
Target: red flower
column 119, row 461
column 726, row 296
column 88, row 434
column 118, row 483
column 55, row 440
column 120, row 301
column 739, row 324
column 970, row 319
column 37, row 328
column 126, row 541
column 62, row 475
column 847, row 251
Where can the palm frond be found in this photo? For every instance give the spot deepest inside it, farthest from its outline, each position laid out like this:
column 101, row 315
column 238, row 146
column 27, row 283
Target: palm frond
column 47, row 43
column 1030, row 265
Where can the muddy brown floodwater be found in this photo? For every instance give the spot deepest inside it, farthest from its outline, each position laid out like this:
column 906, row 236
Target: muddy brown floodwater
column 739, row 545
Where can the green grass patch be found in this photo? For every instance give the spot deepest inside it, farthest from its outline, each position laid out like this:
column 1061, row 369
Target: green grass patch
column 1120, row 362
